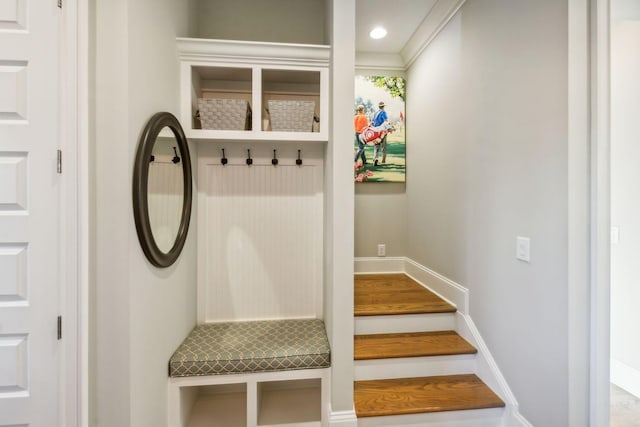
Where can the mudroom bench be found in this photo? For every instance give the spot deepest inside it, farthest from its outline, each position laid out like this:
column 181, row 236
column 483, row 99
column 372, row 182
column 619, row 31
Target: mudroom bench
column 249, row 374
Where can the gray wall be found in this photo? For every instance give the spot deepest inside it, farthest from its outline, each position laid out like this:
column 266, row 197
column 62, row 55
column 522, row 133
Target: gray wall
column 284, row 21
column 625, row 200
column 140, row 313
column 490, row 97
column 380, row 217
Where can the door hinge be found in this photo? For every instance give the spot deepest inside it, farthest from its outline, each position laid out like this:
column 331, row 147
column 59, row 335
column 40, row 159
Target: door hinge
column 60, row 4
column 59, row 327
column 59, row 162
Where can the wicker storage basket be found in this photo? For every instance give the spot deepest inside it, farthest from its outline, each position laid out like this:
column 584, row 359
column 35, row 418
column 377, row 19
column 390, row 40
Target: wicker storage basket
column 291, row 116
column 224, row 114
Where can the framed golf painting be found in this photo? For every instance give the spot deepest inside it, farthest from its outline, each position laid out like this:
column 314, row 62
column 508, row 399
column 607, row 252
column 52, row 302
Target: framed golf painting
column 379, row 143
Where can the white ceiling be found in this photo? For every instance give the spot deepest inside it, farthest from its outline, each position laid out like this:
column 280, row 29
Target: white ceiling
column 400, row 17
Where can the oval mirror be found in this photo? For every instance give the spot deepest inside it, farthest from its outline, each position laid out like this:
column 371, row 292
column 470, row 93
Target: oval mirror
column 162, row 191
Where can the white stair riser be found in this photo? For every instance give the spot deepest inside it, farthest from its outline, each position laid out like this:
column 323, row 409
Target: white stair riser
column 407, row 367
column 405, row 323
column 471, row 418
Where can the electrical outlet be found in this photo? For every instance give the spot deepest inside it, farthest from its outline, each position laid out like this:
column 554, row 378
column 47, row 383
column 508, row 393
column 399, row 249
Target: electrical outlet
column 523, row 249
column 382, row 249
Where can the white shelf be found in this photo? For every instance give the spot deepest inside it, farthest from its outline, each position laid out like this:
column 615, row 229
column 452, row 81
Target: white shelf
column 239, row 135
column 267, row 399
column 256, row 72
column 288, row 402
column 219, row 410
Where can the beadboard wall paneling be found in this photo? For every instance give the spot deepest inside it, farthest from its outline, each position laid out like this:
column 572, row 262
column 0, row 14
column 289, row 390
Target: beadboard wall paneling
column 260, row 239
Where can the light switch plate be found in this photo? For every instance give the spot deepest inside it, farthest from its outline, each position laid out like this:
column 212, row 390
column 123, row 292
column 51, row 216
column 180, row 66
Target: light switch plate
column 615, row 235
column 523, row 249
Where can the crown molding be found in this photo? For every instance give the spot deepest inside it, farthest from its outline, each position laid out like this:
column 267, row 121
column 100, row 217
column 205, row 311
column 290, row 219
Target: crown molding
column 212, row 50
column 379, row 61
column 434, row 22
column 437, row 18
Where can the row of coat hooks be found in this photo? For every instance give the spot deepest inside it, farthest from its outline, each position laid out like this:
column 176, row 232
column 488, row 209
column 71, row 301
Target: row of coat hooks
column 174, row 160
column 249, row 160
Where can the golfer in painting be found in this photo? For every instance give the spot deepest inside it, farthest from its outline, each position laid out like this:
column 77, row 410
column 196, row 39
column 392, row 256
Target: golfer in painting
column 359, row 123
column 379, row 118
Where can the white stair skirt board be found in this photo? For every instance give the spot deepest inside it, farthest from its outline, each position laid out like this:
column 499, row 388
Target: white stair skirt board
column 408, row 367
column 513, row 418
column 492, row 417
column 625, row 377
column 405, row 323
column 446, row 289
column 485, row 366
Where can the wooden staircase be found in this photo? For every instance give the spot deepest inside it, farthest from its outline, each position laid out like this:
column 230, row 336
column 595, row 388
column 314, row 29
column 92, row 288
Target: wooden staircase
column 412, row 368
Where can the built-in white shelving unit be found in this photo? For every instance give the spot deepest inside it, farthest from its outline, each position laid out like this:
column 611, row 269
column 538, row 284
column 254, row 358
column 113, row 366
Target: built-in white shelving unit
column 256, row 72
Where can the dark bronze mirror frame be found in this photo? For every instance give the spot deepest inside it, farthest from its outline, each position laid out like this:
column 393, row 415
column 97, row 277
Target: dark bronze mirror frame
column 140, row 186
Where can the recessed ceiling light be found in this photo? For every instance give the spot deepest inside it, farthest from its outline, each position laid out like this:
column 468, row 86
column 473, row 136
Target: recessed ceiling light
column 378, row 33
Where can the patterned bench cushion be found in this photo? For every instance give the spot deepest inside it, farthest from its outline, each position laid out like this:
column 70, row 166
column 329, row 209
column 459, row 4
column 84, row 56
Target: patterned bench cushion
column 256, row 346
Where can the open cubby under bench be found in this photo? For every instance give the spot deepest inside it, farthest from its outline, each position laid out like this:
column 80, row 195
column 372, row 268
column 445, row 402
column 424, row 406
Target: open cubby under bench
column 253, row 373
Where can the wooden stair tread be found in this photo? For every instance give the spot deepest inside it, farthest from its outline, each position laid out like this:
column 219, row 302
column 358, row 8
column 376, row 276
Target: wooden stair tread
column 402, row 396
column 416, row 344
column 388, row 294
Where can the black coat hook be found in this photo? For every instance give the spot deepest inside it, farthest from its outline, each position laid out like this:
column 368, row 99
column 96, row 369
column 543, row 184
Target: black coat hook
column 224, row 160
column 152, row 158
column 249, row 159
column 299, row 160
column 274, row 161
column 175, row 159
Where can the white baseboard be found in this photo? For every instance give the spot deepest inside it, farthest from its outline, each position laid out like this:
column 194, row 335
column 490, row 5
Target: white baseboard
column 365, row 265
column 458, row 295
column 343, row 419
column 625, row 377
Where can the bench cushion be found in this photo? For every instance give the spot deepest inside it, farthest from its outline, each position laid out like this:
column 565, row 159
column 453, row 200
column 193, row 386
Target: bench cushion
column 256, row 346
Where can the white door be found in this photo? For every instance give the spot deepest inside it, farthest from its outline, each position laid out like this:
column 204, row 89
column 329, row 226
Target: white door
column 30, row 393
